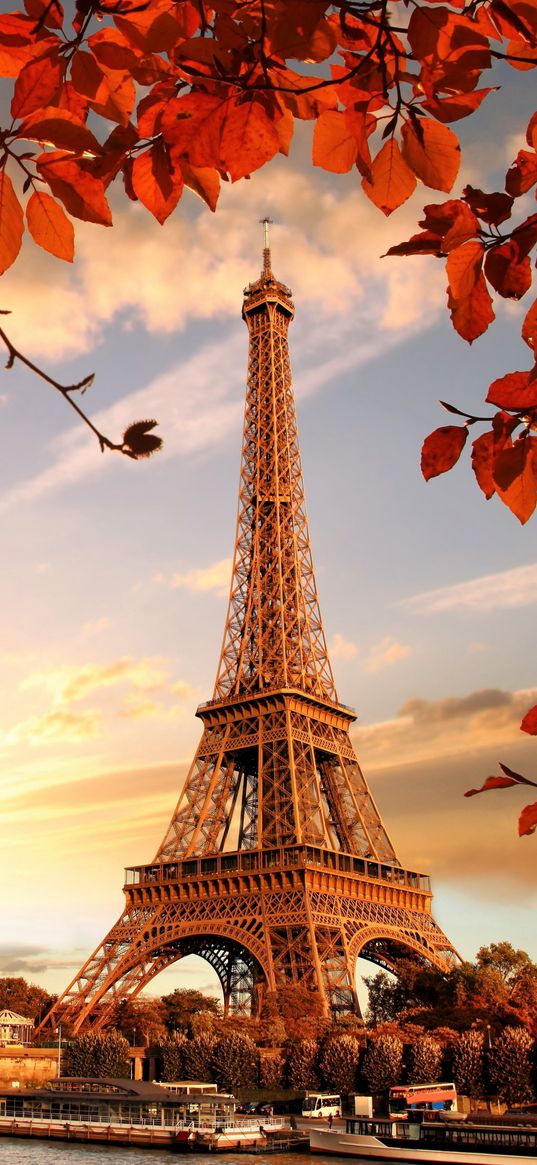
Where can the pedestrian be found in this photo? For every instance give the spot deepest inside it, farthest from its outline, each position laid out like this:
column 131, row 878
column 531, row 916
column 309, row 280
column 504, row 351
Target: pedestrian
column 330, row 1121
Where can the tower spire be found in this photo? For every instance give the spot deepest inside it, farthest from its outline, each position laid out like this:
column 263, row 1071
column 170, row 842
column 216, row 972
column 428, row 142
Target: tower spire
column 267, row 271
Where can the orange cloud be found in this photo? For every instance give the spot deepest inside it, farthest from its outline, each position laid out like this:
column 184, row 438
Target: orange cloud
column 385, row 654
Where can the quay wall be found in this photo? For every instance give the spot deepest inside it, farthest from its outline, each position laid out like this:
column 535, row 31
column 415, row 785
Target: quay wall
column 23, row 1067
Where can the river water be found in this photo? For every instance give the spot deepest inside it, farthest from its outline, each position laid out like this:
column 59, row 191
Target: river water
column 19, row 1152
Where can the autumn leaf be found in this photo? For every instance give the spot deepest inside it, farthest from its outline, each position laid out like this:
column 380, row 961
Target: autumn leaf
column 509, row 276
column 433, row 153
column 248, row 138
column 513, row 391
column 335, row 147
column 81, row 193
column 11, row 223
column 468, row 299
column 529, row 723
column 441, row 450
column 522, row 175
column 154, row 184
column 37, row 84
column 62, row 129
column 529, row 327
column 203, row 181
column 139, row 441
column 391, row 182
column 527, row 820
column 455, row 106
column 482, row 463
column 515, row 478
column 49, row 226
column 492, row 783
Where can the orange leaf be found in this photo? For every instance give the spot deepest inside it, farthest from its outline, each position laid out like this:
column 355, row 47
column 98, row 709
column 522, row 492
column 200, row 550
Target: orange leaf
column 49, row 226
column 457, row 105
column 335, row 147
column 82, row 194
column 510, row 277
column 492, row 783
column 203, row 181
column 441, row 450
column 154, row 185
column 529, row 723
column 515, row 478
column 248, row 140
column 522, row 174
column 392, row 182
column 37, row 85
column 529, row 327
column 433, row 154
column 11, row 223
column 513, row 391
column 468, row 298
column 482, row 462
column 527, row 820
column 492, row 208
column 110, row 94
column 60, row 128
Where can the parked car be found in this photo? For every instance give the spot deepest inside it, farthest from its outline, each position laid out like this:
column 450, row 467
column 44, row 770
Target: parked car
column 246, row 1109
column 265, row 1109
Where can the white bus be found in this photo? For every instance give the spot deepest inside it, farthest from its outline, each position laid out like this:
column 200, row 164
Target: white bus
column 321, row 1104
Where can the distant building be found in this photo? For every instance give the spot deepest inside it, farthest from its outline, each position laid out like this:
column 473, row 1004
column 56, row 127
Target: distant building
column 15, row 1029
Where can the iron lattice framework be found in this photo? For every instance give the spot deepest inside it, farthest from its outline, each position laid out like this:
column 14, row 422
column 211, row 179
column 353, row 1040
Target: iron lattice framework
column 276, row 867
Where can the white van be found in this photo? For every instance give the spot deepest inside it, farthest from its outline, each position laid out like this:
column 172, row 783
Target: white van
column 321, row 1104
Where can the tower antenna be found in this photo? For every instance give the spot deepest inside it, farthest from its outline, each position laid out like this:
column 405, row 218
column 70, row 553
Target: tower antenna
column 267, row 223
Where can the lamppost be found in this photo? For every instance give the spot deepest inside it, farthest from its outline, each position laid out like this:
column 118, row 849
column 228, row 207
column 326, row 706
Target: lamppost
column 59, row 1063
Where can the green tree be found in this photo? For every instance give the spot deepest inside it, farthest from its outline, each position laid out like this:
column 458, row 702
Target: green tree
column 339, row 1062
column 302, row 1057
column 510, row 1065
column 235, row 1061
column 425, row 1060
column 101, row 1054
column 382, row 1064
column 469, row 1064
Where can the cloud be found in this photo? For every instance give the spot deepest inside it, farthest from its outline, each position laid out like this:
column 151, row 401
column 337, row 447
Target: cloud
column 452, row 726
column 385, row 654
column 61, row 724
column 70, row 684
column 490, row 592
column 101, row 624
column 341, row 648
column 206, row 578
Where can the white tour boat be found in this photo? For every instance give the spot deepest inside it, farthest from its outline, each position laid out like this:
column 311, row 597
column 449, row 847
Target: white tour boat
column 450, row 1142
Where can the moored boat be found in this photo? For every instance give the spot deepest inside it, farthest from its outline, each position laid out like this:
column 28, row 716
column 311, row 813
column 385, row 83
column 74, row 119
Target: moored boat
column 451, row 1142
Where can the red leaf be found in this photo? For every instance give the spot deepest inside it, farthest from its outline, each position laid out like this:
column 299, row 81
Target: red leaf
column 441, row 450
column 455, row 106
column 392, row 181
column 335, row 147
column 515, row 477
column 492, row 208
column 482, row 463
column 248, row 138
column 203, row 181
column 37, row 85
column 154, row 184
column 514, row 391
column 529, row 327
column 426, row 243
column 468, row 299
column 81, row 193
column 529, row 723
column 49, row 226
column 509, row 276
column 11, row 223
column 527, row 820
column 520, row 780
column 434, row 154
column 492, row 783
column 522, row 174
column 62, row 129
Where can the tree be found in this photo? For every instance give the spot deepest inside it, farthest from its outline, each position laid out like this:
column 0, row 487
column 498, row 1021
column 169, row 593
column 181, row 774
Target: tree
column 171, row 95
column 141, row 1020
column 24, row 998
column 185, row 1003
column 425, row 1059
column 199, row 1058
column 102, row 1054
column 339, row 1063
column 298, row 1009
column 235, row 1061
column 383, row 1062
column 510, row 1065
column 271, row 1069
column 469, row 1063
column 302, row 1058
column 172, row 1052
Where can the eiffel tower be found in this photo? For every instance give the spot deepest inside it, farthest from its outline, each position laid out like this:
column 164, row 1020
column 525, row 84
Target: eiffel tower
column 276, row 867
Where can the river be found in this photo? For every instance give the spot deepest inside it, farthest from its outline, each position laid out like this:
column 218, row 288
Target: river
column 34, row 1152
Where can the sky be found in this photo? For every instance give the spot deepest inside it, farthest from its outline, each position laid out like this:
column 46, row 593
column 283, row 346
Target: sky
column 115, row 574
